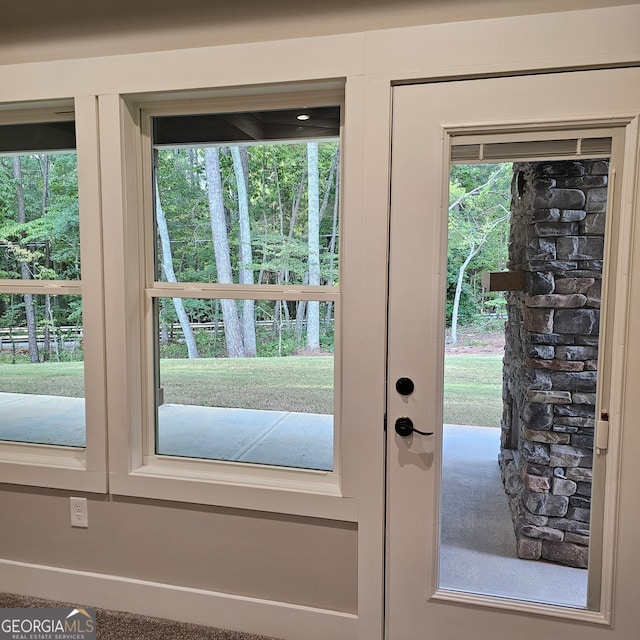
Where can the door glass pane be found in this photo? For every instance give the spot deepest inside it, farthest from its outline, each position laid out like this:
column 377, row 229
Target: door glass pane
column 218, row 398
column 41, row 369
column 521, row 369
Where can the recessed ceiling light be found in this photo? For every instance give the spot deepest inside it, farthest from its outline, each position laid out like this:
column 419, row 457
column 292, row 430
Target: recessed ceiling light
column 303, row 116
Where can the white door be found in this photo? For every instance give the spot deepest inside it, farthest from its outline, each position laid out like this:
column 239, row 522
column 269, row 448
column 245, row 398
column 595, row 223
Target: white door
column 441, row 584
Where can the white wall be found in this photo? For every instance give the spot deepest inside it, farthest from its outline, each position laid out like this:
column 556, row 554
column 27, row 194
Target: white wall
column 41, row 30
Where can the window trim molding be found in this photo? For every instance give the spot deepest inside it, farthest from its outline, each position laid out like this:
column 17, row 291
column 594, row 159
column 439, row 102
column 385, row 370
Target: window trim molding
column 135, row 470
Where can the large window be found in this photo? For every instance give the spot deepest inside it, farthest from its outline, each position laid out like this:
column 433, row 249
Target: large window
column 243, row 285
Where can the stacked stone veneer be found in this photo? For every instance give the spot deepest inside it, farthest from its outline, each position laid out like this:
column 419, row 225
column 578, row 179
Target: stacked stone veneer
column 551, row 356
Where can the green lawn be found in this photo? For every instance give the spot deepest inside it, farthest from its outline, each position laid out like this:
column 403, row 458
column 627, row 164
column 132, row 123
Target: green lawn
column 47, row 378
column 473, row 390
column 298, row 383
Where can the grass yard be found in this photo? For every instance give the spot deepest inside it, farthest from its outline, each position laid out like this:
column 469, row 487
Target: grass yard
column 473, row 390
column 47, row 378
column 298, row 383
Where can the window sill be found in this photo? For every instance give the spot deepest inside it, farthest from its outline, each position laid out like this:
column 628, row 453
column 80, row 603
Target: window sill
column 49, row 466
column 242, row 486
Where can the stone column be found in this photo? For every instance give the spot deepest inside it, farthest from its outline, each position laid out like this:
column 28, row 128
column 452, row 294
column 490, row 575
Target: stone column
column 551, row 355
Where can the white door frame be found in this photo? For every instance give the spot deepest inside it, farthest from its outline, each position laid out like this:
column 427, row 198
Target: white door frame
column 421, row 200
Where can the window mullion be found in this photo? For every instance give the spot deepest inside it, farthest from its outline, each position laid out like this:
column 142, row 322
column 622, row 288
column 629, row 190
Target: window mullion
column 53, row 287
column 241, row 292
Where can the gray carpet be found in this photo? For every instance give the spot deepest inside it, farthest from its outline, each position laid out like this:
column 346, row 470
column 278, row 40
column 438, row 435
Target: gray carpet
column 115, row 625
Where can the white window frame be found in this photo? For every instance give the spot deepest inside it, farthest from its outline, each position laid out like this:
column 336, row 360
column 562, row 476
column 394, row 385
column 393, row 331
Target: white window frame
column 135, row 469
column 79, row 469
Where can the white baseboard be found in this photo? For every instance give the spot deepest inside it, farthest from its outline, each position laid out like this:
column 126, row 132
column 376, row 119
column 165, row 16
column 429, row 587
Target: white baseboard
column 214, row 609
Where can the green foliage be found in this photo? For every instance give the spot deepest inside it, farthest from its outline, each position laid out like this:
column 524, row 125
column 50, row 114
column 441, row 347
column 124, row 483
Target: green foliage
column 277, row 191
column 479, row 197
column 58, row 321
column 40, row 238
column 270, row 342
column 47, row 241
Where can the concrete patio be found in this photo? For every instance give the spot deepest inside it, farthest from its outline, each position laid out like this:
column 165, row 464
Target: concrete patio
column 478, row 545
column 281, row 438
column 478, row 553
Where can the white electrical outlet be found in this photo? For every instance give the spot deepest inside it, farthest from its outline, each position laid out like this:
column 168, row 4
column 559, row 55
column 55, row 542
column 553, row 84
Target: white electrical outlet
column 79, row 514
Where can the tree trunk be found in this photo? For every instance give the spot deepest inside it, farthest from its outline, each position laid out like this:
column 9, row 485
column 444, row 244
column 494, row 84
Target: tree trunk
column 332, row 174
column 313, row 306
column 164, row 331
column 232, row 330
column 333, row 241
column 25, row 274
column 48, row 325
column 265, row 221
column 292, row 224
column 473, row 252
column 296, row 205
column 280, row 275
column 167, row 267
column 301, row 308
column 48, row 315
column 240, row 158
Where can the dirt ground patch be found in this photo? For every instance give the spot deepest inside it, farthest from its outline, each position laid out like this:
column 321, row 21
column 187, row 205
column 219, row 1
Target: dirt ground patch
column 476, row 341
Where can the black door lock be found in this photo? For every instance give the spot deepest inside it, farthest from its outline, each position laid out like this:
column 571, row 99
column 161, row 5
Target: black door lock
column 405, row 386
column 404, row 428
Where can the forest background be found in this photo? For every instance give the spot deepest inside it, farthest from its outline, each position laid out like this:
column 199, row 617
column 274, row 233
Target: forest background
column 252, row 214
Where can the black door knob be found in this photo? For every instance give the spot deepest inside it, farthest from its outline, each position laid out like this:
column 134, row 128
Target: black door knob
column 404, row 428
column 405, row 386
